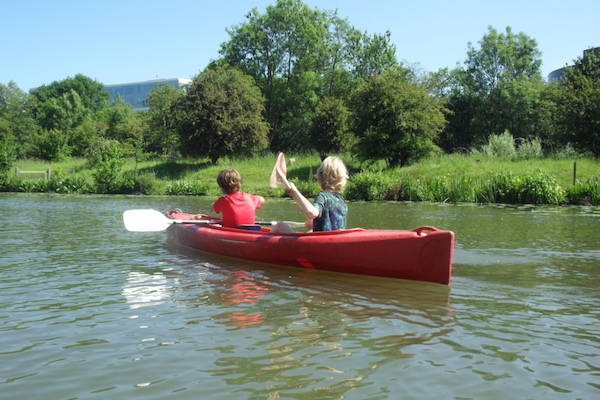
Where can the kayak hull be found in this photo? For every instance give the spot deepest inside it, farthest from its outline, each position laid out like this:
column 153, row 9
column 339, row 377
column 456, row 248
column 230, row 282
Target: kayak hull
column 423, row 254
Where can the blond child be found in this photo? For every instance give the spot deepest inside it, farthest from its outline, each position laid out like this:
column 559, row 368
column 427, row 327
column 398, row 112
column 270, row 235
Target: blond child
column 329, row 209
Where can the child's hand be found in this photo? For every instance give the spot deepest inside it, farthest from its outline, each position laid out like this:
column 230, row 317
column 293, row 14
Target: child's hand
column 308, row 224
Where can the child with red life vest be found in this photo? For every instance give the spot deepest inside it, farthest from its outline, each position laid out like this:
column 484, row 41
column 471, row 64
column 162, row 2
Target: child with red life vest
column 238, row 208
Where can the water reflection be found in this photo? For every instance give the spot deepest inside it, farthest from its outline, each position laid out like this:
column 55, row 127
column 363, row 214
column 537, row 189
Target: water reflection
column 317, row 331
column 240, row 288
column 143, row 290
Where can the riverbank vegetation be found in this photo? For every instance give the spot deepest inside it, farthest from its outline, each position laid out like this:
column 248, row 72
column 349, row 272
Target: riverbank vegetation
column 306, row 82
column 444, row 178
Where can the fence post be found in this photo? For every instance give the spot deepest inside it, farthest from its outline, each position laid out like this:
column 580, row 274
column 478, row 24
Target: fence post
column 574, row 172
column 48, row 174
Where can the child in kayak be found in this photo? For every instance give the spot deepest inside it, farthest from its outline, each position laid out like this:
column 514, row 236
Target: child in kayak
column 238, row 208
column 329, row 209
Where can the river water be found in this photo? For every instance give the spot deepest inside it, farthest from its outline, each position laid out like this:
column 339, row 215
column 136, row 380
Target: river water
column 91, row 311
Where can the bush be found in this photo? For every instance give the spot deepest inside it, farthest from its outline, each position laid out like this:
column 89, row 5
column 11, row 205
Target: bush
column 529, row 149
column 141, row 184
column 53, row 145
column 71, row 184
column 500, row 146
column 368, row 186
column 107, row 157
column 540, row 188
column 584, row 193
column 8, row 156
column 185, row 188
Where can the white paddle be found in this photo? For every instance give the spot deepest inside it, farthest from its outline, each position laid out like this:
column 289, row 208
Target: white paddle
column 154, row 221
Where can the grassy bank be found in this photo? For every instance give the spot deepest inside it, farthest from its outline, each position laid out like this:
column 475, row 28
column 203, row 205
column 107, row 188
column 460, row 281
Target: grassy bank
column 448, row 178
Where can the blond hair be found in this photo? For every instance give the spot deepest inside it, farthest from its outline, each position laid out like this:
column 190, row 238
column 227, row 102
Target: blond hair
column 332, row 174
column 229, row 180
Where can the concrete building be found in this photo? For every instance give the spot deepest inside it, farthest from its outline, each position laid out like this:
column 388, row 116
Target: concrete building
column 136, row 93
column 558, row 74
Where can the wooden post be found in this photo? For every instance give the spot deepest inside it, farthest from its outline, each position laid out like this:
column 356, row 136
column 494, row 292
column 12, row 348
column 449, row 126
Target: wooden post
column 48, row 174
column 17, row 171
column 574, row 172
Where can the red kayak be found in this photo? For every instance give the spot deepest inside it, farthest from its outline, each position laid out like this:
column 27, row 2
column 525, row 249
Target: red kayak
column 423, row 254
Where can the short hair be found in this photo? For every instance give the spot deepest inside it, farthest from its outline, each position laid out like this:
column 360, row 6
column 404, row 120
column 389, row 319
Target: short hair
column 332, row 174
column 229, row 180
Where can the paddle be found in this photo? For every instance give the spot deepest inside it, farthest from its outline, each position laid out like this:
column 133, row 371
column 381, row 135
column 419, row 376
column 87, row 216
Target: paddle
column 154, row 221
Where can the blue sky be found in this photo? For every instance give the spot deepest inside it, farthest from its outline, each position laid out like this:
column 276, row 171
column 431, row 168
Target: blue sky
column 119, row 41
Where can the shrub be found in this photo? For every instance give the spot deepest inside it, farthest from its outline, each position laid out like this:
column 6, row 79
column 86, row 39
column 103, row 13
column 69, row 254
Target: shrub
column 8, row 156
column 584, row 193
column 308, row 188
column 72, row 184
column 406, row 190
column 107, row 158
column 539, row 188
column 368, row 186
column 500, row 146
column 52, row 145
column 185, row 188
column 530, row 149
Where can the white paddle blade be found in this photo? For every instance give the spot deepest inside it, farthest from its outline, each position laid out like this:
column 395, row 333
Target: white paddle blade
column 276, row 179
column 145, row 221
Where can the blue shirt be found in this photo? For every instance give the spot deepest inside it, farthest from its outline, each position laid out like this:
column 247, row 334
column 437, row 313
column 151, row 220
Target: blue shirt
column 332, row 212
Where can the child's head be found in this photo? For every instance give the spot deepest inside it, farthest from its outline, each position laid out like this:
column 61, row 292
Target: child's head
column 332, row 174
column 229, row 180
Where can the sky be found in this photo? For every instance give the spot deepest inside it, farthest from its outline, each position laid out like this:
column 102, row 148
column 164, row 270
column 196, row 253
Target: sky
column 121, row 41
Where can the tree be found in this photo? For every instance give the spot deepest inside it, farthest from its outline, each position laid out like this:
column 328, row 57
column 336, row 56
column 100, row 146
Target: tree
column 63, row 112
column 329, row 131
column 499, row 88
column 578, row 103
column 90, row 91
column 372, row 55
column 298, row 55
column 17, row 124
column 223, row 115
column 395, row 119
column 162, row 134
column 501, row 58
column 8, row 156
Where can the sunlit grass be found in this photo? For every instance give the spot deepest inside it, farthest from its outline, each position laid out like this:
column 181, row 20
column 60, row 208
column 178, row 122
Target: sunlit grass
column 445, row 178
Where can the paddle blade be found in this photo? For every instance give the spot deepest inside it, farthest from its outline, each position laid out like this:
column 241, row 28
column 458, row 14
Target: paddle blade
column 145, row 221
column 276, row 180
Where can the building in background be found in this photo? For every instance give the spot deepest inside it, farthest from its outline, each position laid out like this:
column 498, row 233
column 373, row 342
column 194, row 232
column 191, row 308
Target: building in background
column 136, row 93
column 558, row 74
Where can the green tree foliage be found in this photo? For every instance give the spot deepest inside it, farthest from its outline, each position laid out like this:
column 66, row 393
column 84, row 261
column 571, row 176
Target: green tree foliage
column 162, row 134
column 116, row 119
column 52, row 145
column 64, row 112
column 371, row 55
column 223, row 110
column 106, row 157
column 90, row 92
column 298, row 55
column 578, row 104
column 395, row 119
column 17, row 124
column 329, row 130
column 499, row 88
column 8, row 155
column 60, row 108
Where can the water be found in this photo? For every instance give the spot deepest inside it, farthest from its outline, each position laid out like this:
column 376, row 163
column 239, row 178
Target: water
column 91, row 311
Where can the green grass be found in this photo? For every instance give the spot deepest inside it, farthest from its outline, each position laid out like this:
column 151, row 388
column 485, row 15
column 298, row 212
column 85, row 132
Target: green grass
column 446, row 178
